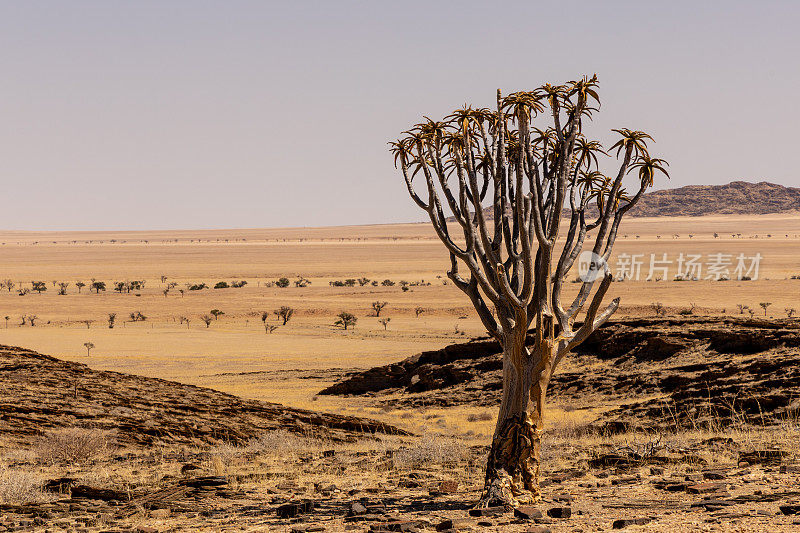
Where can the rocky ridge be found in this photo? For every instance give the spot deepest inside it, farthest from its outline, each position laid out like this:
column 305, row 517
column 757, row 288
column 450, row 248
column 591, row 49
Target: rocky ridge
column 39, row 392
column 650, row 372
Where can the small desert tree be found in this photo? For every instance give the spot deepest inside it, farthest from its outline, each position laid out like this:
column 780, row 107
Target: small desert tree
column 284, row 313
column 282, row 283
column 378, row 306
column 418, row 311
column 88, row 346
column 31, row 320
column 216, row 313
column 8, row 284
column 98, row 286
column 112, row 318
column 790, row 311
column 62, row 288
column 87, row 323
column 529, row 161
column 39, row 286
column 207, row 319
column 80, row 285
column 764, row 306
column 269, row 328
column 7, row 318
column 346, row 320
column 385, row 322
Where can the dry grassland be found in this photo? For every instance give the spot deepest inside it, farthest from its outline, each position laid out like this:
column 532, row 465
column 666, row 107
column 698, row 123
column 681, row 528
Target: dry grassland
column 236, row 355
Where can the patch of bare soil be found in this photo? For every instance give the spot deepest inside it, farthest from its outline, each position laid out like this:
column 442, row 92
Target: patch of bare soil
column 662, row 373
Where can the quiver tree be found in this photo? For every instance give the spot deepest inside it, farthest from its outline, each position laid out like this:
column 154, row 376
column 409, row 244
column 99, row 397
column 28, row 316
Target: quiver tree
column 285, row 313
column 378, row 307
column 530, row 163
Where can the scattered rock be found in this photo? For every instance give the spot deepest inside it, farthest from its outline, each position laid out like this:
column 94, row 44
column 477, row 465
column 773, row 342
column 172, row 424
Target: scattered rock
column 762, row 457
column 705, row 488
column 790, row 509
column 291, row 510
column 622, row 523
column 92, row 493
column 559, row 512
column 397, row 525
column 454, row 524
column 527, row 512
column 61, row 485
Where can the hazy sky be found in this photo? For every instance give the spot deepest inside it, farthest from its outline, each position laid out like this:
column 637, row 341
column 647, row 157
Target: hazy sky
column 190, row 114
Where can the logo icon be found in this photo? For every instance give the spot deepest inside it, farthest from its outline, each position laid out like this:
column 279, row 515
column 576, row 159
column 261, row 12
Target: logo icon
column 591, row 266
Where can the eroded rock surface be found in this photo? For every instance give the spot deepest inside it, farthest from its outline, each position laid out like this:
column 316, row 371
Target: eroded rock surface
column 39, row 392
column 666, row 371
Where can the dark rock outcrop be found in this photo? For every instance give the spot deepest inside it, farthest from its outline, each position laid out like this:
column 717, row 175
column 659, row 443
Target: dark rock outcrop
column 656, row 372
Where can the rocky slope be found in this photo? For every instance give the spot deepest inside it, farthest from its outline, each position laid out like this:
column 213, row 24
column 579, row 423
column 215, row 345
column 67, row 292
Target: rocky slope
column 38, row 392
column 738, row 197
column 735, row 198
column 646, row 372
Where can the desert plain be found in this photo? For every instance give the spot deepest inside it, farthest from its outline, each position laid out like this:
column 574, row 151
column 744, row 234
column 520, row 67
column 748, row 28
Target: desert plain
column 244, row 353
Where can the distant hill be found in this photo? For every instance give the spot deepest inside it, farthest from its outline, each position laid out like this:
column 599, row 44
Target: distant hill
column 735, row 198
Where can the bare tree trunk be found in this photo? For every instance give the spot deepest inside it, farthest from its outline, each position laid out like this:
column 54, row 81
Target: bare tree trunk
column 512, row 469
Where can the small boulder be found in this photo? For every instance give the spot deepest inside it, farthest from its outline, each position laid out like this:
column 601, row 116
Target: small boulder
column 622, row 523
column 790, row 509
column 527, row 512
column 559, row 512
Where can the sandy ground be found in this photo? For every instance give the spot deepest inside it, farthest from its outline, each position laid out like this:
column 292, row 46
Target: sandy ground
column 236, row 355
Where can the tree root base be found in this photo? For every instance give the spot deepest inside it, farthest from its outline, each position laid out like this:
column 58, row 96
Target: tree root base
column 501, row 492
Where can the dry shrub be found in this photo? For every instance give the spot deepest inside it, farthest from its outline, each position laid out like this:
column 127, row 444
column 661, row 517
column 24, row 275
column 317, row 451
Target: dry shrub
column 570, row 429
column 281, row 442
column 481, row 417
column 18, row 487
column 432, row 450
column 73, row 445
